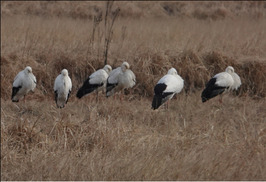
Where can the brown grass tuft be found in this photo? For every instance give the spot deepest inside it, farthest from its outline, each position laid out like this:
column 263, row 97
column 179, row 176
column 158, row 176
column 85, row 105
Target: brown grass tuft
column 23, row 135
column 254, row 78
column 191, row 68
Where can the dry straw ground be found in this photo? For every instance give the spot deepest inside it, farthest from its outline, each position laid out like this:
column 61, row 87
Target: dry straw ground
column 126, row 140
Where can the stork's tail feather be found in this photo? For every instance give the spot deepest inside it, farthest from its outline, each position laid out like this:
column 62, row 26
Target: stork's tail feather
column 204, row 96
column 81, row 92
column 14, row 92
column 156, row 102
column 209, row 93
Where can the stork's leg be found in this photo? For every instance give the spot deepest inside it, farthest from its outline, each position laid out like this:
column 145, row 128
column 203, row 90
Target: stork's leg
column 24, row 99
column 114, row 96
column 121, row 95
column 167, row 104
column 221, row 98
column 97, row 96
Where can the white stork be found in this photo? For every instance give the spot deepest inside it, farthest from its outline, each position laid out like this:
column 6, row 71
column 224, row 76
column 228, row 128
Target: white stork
column 119, row 79
column 169, row 85
column 62, row 88
column 220, row 83
column 95, row 82
column 24, row 82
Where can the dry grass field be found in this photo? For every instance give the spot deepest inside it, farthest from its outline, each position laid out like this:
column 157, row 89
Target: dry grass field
column 127, row 140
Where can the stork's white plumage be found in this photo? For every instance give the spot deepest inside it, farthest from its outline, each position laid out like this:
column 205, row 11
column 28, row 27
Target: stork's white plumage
column 169, row 85
column 119, row 79
column 112, row 79
column 62, row 88
column 24, row 82
column 237, row 81
column 220, row 83
column 95, row 82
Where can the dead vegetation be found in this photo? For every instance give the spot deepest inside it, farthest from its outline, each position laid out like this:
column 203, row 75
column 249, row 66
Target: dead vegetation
column 82, row 10
column 127, row 140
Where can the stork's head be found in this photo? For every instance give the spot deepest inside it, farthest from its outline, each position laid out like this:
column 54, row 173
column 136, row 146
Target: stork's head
column 229, row 69
column 107, row 68
column 172, row 71
column 125, row 66
column 28, row 69
column 64, row 72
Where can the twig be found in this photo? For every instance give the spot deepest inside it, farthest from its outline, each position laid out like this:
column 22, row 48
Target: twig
column 110, row 33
